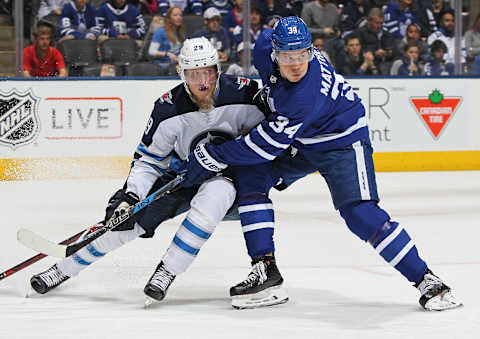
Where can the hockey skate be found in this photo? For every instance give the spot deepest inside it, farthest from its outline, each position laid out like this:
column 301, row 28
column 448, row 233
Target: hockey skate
column 158, row 284
column 263, row 286
column 436, row 296
column 47, row 280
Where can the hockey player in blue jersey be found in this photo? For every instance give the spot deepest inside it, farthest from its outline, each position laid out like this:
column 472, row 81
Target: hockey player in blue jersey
column 317, row 123
column 208, row 106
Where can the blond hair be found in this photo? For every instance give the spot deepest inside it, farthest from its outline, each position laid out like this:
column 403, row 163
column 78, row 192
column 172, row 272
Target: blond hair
column 170, row 29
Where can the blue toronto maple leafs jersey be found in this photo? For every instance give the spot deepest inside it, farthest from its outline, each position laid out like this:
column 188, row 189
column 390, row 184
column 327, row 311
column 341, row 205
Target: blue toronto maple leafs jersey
column 320, row 112
column 127, row 20
column 78, row 23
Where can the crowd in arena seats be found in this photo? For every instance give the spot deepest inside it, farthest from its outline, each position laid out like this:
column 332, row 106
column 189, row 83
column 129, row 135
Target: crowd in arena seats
column 360, row 37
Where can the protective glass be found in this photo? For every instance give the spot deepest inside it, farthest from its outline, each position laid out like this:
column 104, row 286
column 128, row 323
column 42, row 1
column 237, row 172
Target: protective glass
column 293, row 57
column 201, row 77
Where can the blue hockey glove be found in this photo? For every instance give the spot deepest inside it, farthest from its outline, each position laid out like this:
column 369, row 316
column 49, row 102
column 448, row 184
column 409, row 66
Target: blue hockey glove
column 200, row 166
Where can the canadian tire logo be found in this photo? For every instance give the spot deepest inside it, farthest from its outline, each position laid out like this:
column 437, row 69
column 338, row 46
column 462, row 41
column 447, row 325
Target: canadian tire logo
column 19, row 121
column 436, row 111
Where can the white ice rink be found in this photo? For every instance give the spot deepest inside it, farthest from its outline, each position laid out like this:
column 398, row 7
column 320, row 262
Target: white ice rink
column 338, row 286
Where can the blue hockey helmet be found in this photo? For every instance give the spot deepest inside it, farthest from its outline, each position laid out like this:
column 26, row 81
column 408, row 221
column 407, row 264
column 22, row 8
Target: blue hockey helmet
column 290, row 34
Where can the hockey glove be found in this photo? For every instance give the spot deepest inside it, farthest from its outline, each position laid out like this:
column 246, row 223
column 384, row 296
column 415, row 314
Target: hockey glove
column 117, row 205
column 200, row 166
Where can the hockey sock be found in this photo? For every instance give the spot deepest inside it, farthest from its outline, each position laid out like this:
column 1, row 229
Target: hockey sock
column 73, row 264
column 208, row 208
column 190, row 237
column 394, row 244
column 257, row 218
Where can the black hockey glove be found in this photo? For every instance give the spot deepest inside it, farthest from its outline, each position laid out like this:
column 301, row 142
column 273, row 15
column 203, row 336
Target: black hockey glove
column 117, row 205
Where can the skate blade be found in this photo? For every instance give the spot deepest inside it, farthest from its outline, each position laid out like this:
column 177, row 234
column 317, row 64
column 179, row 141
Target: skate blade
column 269, row 297
column 443, row 302
column 148, row 302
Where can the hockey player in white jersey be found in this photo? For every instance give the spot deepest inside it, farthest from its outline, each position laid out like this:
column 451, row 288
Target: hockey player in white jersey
column 207, row 107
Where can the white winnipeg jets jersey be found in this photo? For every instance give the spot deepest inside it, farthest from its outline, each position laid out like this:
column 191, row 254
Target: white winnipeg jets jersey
column 176, row 126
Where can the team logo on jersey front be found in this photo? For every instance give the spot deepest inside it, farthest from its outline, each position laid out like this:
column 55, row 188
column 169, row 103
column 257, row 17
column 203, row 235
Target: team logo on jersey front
column 242, row 82
column 167, row 97
column 19, row 121
column 436, row 111
column 214, row 137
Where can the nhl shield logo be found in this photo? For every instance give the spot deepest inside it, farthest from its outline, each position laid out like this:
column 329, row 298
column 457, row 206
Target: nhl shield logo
column 19, row 121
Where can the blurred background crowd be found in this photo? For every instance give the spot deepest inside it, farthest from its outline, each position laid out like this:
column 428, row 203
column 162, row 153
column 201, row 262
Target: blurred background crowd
column 144, row 37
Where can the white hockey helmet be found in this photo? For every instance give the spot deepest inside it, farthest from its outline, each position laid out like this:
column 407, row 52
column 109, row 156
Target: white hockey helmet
column 197, row 53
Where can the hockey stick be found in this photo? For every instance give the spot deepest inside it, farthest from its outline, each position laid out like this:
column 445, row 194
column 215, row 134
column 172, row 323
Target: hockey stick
column 40, row 244
column 37, row 257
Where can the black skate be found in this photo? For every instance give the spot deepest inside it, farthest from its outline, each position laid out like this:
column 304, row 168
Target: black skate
column 157, row 286
column 47, row 280
column 263, row 286
column 436, row 296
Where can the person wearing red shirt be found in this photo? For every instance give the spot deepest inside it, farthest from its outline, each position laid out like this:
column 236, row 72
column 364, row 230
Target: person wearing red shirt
column 42, row 60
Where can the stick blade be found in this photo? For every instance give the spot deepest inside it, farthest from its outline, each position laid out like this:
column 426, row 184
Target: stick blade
column 40, row 244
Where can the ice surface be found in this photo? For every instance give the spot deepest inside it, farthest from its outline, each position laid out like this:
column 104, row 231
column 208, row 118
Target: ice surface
column 338, row 286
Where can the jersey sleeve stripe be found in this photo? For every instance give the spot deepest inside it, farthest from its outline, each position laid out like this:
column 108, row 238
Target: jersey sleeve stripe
column 361, row 122
column 257, row 149
column 143, row 150
column 269, row 139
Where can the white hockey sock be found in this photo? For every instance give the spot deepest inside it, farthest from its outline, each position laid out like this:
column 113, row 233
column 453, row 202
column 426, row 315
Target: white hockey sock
column 190, row 237
column 72, row 265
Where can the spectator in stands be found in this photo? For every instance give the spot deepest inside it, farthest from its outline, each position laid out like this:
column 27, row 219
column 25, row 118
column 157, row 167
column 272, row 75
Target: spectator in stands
column 52, row 8
column 398, row 15
column 168, row 40
column 413, row 34
column 256, row 28
column 78, row 21
column 215, row 33
column 429, row 14
column 224, row 6
column 318, row 42
column 354, row 15
column 296, row 6
column 354, row 61
column 41, row 59
column 234, row 17
column 236, row 68
column 269, row 8
column 472, row 39
column 446, row 33
column 408, row 65
column 438, row 66
column 321, row 17
column 117, row 19
column 187, row 6
column 476, row 66
column 378, row 40
column 149, row 7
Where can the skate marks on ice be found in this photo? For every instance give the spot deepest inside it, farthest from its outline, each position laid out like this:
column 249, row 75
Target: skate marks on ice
column 338, row 288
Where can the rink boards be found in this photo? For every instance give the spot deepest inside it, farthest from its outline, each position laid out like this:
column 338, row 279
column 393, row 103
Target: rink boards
column 90, row 127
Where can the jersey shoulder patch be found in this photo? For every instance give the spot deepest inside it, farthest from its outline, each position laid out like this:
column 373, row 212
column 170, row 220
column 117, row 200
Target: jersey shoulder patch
column 166, row 98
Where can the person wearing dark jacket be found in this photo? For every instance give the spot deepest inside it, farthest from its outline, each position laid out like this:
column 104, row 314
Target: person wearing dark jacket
column 379, row 41
column 354, row 15
column 354, row 61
